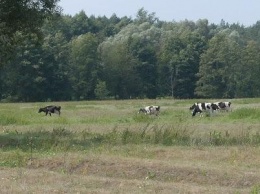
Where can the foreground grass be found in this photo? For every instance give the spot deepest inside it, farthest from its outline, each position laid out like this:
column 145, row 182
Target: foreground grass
column 106, row 147
column 137, row 169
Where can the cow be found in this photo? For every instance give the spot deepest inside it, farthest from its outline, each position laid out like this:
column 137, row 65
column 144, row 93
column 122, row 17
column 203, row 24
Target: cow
column 203, row 107
column 225, row 106
column 50, row 109
column 150, row 110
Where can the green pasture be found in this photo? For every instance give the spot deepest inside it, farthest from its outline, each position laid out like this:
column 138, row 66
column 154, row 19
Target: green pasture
column 97, row 123
column 118, row 112
column 90, row 136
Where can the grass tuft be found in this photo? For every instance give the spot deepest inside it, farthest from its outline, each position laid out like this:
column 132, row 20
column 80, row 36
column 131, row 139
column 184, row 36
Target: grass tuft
column 9, row 119
column 255, row 190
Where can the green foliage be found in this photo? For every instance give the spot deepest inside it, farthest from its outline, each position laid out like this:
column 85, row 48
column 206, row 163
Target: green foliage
column 25, row 17
column 143, row 16
column 135, row 58
column 179, row 59
column 220, row 59
column 84, row 66
column 248, row 83
column 130, row 58
column 101, row 91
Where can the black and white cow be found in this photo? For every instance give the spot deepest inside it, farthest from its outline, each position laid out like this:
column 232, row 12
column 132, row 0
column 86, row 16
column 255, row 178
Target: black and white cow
column 203, row 107
column 50, row 109
column 150, row 110
column 225, row 106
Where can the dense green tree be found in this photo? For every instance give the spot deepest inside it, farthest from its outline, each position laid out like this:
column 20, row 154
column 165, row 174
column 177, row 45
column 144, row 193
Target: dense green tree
column 217, row 72
column 202, row 28
column 84, row 66
column 38, row 68
column 143, row 16
column 248, row 84
column 253, row 33
column 54, row 70
column 144, row 47
column 101, row 91
column 169, row 61
column 24, row 16
column 21, row 77
column 87, row 57
column 119, row 73
column 179, row 62
column 130, row 57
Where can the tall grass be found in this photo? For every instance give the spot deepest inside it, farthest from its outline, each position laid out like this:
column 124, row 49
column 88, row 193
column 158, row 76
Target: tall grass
column 245, row 113
column 61, row 139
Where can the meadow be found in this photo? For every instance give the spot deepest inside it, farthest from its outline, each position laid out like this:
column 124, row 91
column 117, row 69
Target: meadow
column 107, row 147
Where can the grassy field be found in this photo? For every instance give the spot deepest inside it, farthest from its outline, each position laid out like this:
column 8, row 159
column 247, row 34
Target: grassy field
column 106, row 147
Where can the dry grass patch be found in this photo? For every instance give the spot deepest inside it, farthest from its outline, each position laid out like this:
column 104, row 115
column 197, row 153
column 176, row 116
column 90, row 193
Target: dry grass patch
column 138, row 169
column 158, row 170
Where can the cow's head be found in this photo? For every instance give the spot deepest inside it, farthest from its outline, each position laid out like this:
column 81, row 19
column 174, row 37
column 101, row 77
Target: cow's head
column 57, row 108
column 194, row 106
column 142, row 110
column 157, row 108
column 195, row 111
column 41, row 110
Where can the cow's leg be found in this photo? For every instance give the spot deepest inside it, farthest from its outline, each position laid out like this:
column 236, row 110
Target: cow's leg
column 194, row 112
column 210, row 112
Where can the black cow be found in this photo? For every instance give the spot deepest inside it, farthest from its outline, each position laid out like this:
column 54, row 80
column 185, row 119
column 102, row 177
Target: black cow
column 50, row 109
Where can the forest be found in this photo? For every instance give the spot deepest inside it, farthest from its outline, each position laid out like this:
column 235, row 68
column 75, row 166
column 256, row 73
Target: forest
column 84, row 57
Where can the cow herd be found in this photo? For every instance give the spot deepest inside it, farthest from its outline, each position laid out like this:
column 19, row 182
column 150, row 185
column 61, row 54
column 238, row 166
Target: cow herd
column 204, row 107
column 208, row 108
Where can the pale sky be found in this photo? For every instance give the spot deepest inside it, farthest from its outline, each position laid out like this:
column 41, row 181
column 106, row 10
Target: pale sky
column 246, row 12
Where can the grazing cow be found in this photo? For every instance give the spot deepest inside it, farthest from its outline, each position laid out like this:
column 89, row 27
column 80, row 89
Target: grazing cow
column 226, row 106
column 203, row 107
column 150, row 110
column 50, row 109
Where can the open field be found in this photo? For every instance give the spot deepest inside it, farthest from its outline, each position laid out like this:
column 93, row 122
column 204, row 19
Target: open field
column 106, row 147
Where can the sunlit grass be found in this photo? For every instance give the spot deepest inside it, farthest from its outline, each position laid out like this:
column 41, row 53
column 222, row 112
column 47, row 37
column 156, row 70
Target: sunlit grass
column 109, row 141
column 118, row 122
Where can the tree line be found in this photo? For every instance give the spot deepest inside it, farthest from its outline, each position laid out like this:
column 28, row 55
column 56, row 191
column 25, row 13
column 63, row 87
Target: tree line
column 85, row 57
